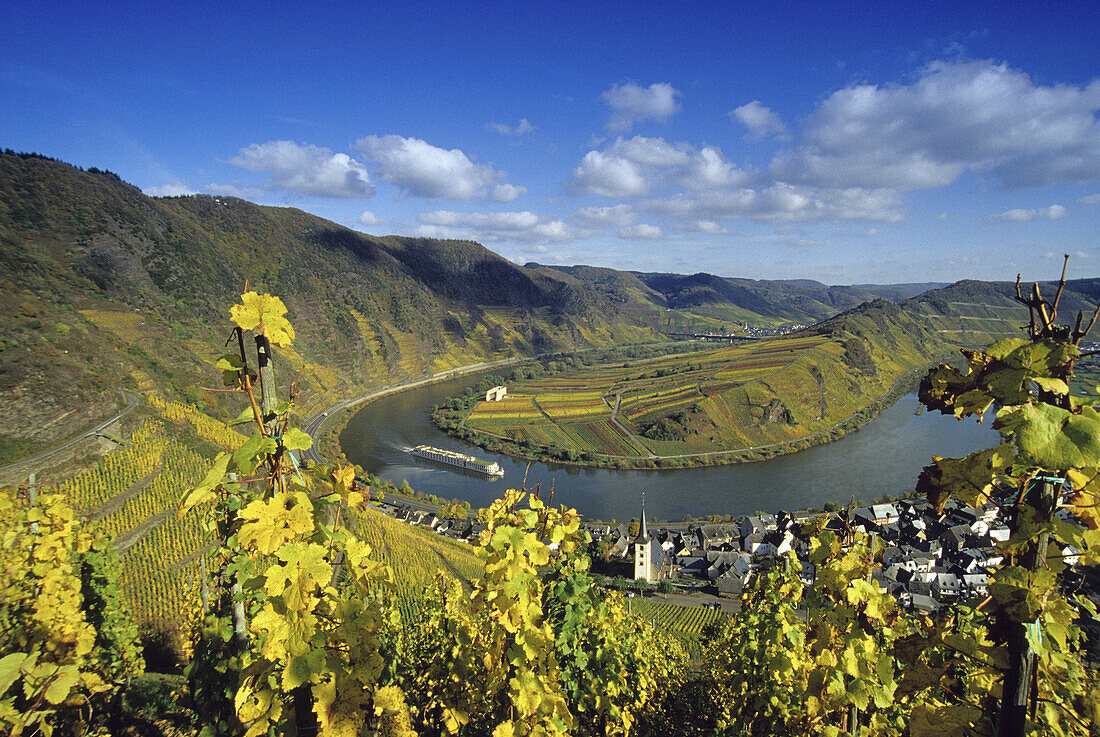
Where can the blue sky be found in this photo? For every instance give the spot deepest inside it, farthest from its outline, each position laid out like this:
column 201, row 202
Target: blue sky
column 845, row 142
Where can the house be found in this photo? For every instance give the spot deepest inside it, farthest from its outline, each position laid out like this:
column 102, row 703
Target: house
column 946, row 585
column 496, row 394
column 924, row 603
column 885, row 514
column 750, row 526
column 977, row 584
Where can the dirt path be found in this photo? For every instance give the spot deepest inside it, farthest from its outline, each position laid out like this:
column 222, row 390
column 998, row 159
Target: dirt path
column 134, row 536
column 647, row 453
column 115, row 503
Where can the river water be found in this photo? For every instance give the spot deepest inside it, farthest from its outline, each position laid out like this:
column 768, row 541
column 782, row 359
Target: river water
column 883, row 457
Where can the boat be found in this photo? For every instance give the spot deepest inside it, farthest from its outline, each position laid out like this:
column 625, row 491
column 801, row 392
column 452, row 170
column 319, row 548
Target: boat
column 459, row 460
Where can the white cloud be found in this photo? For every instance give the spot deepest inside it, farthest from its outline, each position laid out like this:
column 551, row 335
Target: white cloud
column 521, row 128
column 1092, row 199
column 631, row 103
column 424, row 170
column 707, row 226
column 602, row 217
column 1054, row 212
column 368, row 218
column 1018, row 215
column 505, row 192
column 234, row 190
column 760, row 120
column 170, row 189
column 522, row 226
column 306, row 169
column 607, row 176
column 641, row 230
column 959, row 116
column 631, row 167
column 781, row 202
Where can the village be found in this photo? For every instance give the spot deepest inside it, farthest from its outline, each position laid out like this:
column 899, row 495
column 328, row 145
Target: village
column 929, row 560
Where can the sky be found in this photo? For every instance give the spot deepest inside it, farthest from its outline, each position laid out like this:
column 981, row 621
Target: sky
column 878, row 142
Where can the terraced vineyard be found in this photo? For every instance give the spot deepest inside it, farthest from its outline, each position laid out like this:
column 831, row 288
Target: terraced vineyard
column 132, row 494
column 682, row 620
column 744, row 401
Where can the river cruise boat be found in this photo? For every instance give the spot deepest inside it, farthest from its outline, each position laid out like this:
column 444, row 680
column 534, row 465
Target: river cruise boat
column 459, row 460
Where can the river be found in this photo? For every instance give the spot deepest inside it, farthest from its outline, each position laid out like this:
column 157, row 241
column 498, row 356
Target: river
column 883, row 457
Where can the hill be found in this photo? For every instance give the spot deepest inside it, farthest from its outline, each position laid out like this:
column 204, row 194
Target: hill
column 737, row 403
column 765, row 303
column 104, row 287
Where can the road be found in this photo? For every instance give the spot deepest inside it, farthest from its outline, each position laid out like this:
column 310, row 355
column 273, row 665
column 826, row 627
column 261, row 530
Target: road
column 132, row 402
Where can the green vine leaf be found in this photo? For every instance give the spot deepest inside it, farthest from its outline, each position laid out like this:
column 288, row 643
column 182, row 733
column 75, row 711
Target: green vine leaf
column 204, row 492
column 1051, row 437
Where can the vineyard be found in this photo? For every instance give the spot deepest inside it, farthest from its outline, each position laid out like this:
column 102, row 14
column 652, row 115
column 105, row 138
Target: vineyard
column 605, row 411
column 132, row 494
column 416, row 557
column 681, row 620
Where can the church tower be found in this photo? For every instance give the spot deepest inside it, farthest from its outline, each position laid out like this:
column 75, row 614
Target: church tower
column 643, row 553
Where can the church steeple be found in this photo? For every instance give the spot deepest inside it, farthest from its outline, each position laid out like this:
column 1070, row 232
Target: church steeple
column 643, row 551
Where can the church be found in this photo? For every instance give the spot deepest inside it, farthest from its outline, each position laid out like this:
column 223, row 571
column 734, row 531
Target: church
column 649, row 556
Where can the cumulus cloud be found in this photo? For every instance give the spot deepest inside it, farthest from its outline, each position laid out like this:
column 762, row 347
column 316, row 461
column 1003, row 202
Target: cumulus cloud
column 521, row 128
column 631, row 167
column 424, row 170
column 1018, row 215
column 170, row 189
column 760, row 120
column 368, row 218
column 631, row 103
column 641, row 230
column 306, row 169
column 522, row 226
column 603, row 217
column 957, row 117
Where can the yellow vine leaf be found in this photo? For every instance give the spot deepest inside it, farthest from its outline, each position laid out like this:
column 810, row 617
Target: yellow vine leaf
column 265, row 312
column 269, row 524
